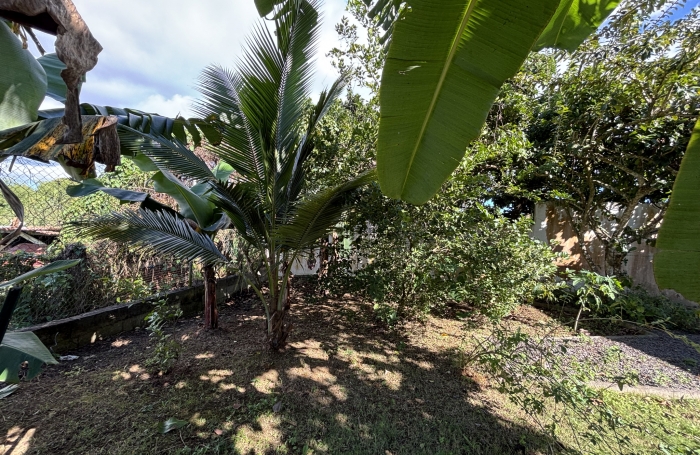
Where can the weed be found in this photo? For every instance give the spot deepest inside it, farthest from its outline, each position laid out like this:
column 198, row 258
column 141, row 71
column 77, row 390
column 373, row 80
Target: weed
column 166, row 350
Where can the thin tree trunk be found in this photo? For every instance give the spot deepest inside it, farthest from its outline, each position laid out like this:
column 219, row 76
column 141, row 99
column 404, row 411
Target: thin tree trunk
column 211, row 314
column 278, row 329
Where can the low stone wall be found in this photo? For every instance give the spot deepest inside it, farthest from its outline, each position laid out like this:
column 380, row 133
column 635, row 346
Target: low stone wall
column 65, row 334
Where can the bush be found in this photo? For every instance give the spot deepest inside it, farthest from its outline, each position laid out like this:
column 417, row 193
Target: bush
column 493, row 267
column 107, row 274
column 639, row 306
column 418, row 259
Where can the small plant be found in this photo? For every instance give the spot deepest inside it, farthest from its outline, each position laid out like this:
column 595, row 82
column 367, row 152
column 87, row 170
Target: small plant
column 132, row 289
column 591, row 291
column 639, row 306
column 166, row 350
column 662, row 379
column 386, row 314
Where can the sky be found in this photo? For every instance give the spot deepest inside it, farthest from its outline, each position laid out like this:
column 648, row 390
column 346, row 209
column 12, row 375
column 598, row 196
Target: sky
column 154, row 50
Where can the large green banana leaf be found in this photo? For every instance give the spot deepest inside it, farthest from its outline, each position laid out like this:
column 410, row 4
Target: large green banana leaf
column 446, row 63
column 191, row 205
column 22, row 81
column 677, row 262
column 573, row 22
column 20, row 347
column 56, row 85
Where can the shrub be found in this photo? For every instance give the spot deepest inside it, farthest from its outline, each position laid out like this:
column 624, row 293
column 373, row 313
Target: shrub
column 591, row 291
column 421, row 258
column 639, row 306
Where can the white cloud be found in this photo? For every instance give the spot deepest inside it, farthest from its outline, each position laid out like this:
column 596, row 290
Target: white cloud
column 177, row 105
column 154, row 50
column 50, row 103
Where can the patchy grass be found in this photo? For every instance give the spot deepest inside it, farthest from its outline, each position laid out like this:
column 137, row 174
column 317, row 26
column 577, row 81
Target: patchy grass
column 343, row 386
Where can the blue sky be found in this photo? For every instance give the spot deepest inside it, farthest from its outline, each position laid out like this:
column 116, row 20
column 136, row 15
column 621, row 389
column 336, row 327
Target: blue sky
column 154, row 50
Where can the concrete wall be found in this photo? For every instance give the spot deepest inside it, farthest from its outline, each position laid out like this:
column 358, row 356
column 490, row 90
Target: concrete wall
column 552, row 223
column 66, row 334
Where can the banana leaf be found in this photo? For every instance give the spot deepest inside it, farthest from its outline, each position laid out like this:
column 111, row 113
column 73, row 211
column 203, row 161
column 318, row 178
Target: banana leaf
column 22, row 81
column 445, row 66
column 178, row 127
column 56, row 88
column 573, row 22
column 18, row 348
column 677, row 261
column 446, row 63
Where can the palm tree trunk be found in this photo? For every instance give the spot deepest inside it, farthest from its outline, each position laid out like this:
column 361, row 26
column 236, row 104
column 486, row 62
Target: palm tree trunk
column 279, row 331
column 211, row 314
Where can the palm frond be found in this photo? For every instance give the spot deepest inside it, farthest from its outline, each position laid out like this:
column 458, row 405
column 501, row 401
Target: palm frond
column 159, row 232
column 293, row 170
column 297, row 27
column 317, row 215
column 241, row 145
column 169, row 155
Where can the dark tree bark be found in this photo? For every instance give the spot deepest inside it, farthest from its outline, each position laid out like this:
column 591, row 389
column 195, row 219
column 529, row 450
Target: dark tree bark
column 279, row 330
column 211, row 314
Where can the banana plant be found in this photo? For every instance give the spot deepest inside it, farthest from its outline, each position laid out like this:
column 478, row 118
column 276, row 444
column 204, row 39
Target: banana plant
column 186, row 233
column 677, row 261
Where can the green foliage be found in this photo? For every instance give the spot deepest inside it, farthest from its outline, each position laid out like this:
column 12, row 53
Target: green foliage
column 610, row 130
column 126, row 176
column 22, row 81
column 591, row 291
column 641, row 307
column 45, row 203
column 534, row 373
column 166, row 350
column 422, row 258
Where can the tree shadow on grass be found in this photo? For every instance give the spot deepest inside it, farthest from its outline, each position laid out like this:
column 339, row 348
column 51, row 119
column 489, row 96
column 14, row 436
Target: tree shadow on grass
column 340, row 388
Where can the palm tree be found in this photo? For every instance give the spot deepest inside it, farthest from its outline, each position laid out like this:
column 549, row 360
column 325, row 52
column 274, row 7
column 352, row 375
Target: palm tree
column 267, row 132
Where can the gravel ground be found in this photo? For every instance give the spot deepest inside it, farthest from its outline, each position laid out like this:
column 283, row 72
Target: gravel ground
column 658, row 360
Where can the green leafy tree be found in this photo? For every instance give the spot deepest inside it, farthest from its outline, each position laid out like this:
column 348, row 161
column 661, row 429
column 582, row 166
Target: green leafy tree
column 268, row 142
column 610, row 131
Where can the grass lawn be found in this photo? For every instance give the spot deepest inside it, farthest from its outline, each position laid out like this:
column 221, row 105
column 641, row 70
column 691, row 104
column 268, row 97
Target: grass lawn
column 342, row 387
